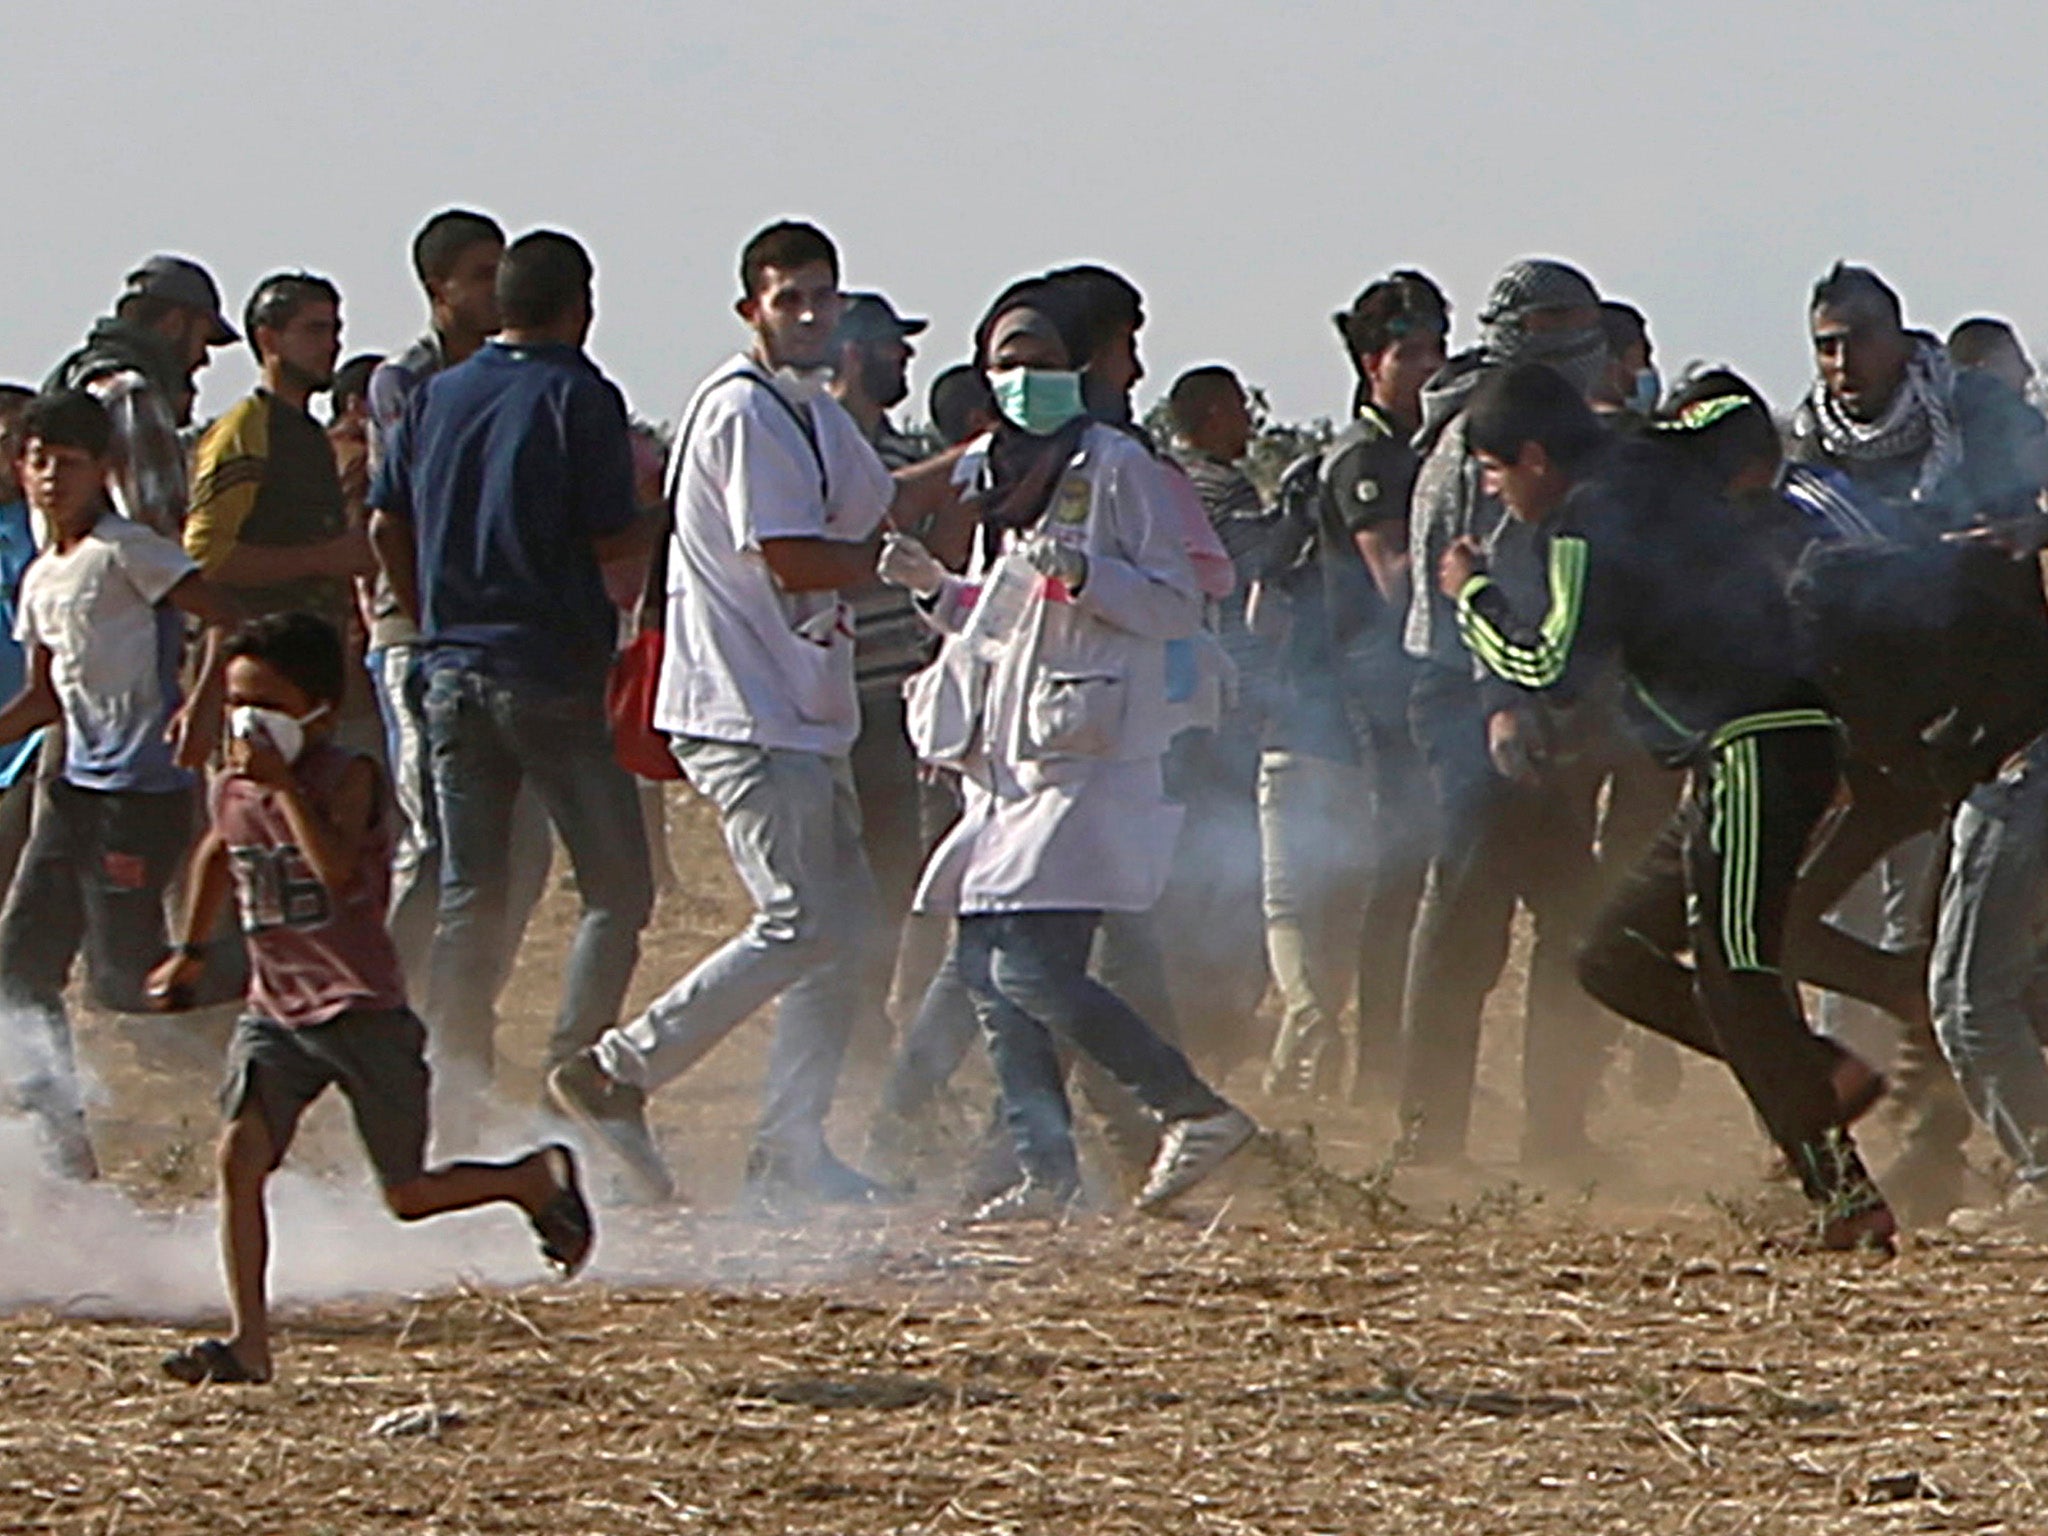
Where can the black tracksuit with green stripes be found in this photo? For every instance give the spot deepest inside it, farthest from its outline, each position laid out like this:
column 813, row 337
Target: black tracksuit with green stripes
column 1647, row 569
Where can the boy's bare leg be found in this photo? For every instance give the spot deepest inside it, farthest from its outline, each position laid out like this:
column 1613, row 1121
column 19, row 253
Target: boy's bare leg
column 543, row 1184
column 527, row 1182
column 246, row 1158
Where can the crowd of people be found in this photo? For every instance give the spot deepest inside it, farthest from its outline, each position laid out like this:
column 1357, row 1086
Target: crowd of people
column 1034, row 731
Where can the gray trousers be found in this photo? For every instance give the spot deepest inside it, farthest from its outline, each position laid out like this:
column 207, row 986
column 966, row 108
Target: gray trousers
column 1988, row 979
column 792, row 827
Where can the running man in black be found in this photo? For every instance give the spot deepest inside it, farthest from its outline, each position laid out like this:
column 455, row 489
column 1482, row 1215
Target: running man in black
column 1648, row 569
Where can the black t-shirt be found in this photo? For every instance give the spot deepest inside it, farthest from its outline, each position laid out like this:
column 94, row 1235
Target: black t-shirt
column 1367, row 475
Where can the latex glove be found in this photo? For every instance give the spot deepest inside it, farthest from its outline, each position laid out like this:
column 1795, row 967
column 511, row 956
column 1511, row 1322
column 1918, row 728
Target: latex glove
column 906, row 563
column 1050, row 558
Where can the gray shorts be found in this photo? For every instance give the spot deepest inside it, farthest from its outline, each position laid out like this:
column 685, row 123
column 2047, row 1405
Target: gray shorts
column 376, row 1056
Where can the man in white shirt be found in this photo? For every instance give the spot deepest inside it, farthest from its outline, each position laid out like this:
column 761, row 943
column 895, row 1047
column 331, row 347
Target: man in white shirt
column 779, row 503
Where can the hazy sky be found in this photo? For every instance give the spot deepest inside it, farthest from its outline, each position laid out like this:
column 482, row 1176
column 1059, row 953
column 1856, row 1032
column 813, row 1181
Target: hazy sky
column 1251, row 165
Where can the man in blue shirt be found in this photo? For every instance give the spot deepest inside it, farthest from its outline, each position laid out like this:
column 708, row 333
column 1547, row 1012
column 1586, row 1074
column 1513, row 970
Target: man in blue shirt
column 509, row 481
column 17, row 548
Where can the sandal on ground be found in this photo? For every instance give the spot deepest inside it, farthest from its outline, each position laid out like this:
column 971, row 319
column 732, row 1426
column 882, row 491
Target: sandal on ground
column 210, row 1360
column 565, row 1227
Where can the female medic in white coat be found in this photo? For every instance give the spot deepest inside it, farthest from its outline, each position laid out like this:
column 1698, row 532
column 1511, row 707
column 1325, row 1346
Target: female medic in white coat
column 1050, row 699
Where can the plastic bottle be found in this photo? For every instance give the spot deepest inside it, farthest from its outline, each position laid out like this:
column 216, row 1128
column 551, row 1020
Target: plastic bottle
column 1004, row 596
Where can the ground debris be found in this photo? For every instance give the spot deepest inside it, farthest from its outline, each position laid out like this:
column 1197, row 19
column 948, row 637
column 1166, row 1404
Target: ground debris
column 875, row 1391
column 429, row 1419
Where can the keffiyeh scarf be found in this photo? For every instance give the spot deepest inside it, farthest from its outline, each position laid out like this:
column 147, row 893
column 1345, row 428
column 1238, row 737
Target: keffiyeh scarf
column 1920, row 419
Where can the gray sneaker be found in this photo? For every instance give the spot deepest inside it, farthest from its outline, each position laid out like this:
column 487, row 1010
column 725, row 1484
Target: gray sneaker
column 615, row 1113
column 1191, row 1150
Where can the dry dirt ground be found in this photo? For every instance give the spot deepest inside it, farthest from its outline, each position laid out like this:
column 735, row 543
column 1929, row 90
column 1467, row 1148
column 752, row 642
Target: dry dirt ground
column 1330, row 1344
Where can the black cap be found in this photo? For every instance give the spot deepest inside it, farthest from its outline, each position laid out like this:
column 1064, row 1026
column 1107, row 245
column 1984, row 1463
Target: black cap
column 870, row 317
column 182, row 282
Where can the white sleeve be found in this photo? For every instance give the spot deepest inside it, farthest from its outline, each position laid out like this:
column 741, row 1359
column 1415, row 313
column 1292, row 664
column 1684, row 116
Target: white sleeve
column 1139, row 576
column 770, row 480
column 151, row 562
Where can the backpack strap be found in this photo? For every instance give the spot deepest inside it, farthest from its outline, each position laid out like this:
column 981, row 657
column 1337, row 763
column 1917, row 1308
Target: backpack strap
column 657, row 567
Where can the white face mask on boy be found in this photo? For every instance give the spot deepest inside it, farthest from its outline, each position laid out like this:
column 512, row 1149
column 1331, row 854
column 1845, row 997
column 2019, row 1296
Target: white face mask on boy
column 286, row 733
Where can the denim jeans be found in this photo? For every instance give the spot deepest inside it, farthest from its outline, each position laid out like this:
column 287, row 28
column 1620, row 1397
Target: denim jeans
column 1124, row 958
column 1986, row 982
column 488, row 736
column 416, row 861
column 933, row 1044
column 1892, row 906
column 792, row 826
column 1028, row 975
column 92, row 879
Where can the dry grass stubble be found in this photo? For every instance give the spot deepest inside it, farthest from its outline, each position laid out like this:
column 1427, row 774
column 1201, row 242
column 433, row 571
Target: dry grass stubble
column 1338, row 1347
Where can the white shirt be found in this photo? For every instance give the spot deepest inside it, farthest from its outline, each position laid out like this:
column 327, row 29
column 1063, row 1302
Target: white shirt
column 745, row 660
column 113, row 651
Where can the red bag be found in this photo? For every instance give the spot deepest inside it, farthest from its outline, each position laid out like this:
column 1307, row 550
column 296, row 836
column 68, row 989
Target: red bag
column 629, row 704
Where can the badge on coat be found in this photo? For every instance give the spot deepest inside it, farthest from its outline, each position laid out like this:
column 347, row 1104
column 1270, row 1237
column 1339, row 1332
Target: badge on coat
column 1070, row 502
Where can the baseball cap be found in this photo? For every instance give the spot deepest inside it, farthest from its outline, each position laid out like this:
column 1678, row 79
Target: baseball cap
column 185, row 282
column 870, row 317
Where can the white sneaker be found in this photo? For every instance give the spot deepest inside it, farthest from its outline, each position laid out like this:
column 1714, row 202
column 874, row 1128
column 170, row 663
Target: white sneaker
column 2022, row 1214
column 1026, row 1200
column 1192, row 1149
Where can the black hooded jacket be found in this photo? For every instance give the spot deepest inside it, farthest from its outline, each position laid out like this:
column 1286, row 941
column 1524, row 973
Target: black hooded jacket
column 1648, row 569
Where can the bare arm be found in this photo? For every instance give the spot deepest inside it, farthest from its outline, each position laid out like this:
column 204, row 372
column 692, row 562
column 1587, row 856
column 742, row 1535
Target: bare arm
column 333, row 844
column 36, row 705
column 1384, row 548
column 195, row 728
column 929, row 507
column 262, row 565
column 635, row 539
column 821, row 565
column 207, row 890
column 391, row 538
column 170, row 985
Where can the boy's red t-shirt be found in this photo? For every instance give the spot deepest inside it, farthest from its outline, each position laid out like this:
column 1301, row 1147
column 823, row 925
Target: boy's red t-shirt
column 313, row 953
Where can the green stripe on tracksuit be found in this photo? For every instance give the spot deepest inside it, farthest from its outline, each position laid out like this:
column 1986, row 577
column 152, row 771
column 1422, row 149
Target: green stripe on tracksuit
column 1735, row 824
column 1542, row 662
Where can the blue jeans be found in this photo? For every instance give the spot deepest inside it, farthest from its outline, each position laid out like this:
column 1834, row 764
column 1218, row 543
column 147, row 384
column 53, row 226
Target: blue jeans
column 792, row 827
column 1986, row 978
column 486, row 737
column 933, row 1044
column 1891, row 907
column 1028, row 975
column 416, row 860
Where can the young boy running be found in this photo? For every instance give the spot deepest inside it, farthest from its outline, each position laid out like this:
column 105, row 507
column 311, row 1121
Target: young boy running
column 1648, row 570
column 303, row 829
column 98, row 615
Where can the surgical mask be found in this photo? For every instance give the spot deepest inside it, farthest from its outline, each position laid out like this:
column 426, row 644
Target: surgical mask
column 1645, row 392
column 1037, row 400
column 286, row 733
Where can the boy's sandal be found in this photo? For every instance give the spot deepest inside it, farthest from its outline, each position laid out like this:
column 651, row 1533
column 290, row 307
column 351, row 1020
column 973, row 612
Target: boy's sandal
column 565, row 1227
column 210, row 1360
